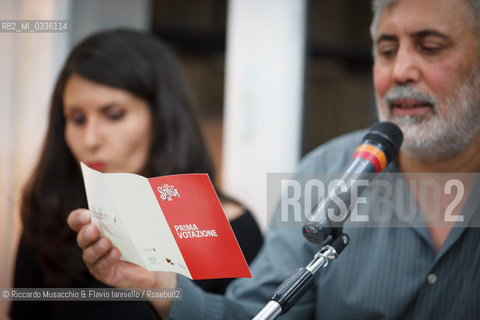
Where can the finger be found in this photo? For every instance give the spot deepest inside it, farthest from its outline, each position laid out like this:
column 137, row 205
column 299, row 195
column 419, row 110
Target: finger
column 78, row 218
column 114, row 254
column 102, row 268
column 95, row 252
column 87, row 236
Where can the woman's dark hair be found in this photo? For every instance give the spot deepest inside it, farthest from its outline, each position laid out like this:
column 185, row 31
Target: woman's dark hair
column 140, row 64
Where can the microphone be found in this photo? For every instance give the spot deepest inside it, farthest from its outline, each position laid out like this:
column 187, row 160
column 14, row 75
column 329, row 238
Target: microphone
column 379, row 148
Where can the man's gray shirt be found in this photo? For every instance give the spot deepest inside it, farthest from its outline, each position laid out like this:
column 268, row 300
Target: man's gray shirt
column 384, row 273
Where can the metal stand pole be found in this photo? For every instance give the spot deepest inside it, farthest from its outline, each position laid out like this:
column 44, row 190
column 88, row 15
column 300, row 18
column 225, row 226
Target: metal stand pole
column 292, row 289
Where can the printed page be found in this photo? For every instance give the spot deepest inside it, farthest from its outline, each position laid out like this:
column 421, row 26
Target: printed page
column 133, row 220
column 105, row 215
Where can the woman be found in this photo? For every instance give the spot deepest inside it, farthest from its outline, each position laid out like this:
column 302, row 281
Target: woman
column 120, row 104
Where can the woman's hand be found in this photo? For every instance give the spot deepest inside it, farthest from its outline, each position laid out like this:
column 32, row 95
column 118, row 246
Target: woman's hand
column 103, row 262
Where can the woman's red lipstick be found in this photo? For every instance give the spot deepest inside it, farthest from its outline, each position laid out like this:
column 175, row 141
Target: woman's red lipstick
column 99, row 166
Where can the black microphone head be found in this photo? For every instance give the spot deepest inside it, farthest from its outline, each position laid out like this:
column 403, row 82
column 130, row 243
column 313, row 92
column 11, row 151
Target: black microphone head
column 388, row 135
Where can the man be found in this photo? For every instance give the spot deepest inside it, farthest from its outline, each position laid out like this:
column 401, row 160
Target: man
column 427, row 80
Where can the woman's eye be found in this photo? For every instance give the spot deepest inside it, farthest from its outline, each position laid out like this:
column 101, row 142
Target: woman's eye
column 115, row 114
column 77, row 118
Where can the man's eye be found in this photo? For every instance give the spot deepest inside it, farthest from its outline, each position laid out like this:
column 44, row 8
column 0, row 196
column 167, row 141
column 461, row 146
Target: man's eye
column 386, row 50
column 387, row 53
column 429, row 50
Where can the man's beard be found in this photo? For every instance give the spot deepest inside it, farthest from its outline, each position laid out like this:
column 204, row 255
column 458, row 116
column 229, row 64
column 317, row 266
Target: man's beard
column 444, row 133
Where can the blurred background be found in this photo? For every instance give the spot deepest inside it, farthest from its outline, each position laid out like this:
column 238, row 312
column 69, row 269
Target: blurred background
column 271, row 79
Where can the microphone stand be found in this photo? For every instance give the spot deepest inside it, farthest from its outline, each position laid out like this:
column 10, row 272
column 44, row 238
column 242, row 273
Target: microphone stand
column 292, row 289
column 379, row 147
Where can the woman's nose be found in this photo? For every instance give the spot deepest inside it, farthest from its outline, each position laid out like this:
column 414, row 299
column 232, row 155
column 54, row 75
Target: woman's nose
column 92, row 133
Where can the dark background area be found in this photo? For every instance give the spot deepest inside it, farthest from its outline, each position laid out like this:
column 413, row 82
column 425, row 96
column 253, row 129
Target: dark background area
column 338, row 93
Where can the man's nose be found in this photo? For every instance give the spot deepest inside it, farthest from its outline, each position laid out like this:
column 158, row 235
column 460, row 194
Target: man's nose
column 406, row 69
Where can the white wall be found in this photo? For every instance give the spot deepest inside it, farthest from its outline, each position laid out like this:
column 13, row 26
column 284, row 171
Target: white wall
column 29, row 63
column 263, row 96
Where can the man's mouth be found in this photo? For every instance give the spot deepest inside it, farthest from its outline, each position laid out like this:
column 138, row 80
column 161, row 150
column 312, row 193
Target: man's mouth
column 410, row 107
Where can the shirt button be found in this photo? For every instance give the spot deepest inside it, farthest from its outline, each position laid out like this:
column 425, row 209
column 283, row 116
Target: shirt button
column 432, row 278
